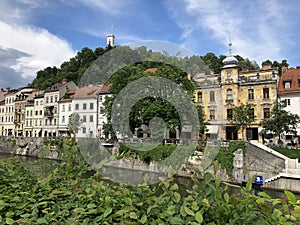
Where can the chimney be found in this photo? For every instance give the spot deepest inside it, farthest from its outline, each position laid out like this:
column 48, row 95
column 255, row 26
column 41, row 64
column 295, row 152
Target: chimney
column 64, row 81
column 1, row 90
column 298, row 67
column 284, row 69
column 8, row 89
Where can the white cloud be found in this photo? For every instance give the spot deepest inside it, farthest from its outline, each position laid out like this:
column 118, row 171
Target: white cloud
column 113, row 7
column 252, row 25
column 39, row 47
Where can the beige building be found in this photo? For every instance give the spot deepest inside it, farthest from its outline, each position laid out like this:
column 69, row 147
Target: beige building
column 51, row 98
column 218, row 94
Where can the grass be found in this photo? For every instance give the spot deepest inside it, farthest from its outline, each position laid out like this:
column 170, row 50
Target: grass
column 291, row 153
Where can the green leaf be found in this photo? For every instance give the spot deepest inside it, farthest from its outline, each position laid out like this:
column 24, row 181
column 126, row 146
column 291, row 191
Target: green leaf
column 290, row 196
column 176, row 220
column 42, row 221
column 208, row 177
column 226, row 197
column 199, row 217
column 133, row 215
column 107, row 212
column 189, row 211
column 10, row 221
column 143, row 219
column 176, row 197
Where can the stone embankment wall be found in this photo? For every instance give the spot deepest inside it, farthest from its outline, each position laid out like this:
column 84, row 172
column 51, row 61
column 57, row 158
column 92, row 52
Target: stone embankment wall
column 26, row 147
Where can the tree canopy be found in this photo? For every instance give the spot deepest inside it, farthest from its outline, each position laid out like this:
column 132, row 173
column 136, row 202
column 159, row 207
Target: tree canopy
column 280, row 121
column 242, row 117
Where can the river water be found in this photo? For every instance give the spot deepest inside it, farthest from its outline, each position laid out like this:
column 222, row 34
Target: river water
column 43, row 166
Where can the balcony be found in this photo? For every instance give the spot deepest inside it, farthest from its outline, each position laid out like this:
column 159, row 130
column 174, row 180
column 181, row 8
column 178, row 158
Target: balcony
column 49, row 111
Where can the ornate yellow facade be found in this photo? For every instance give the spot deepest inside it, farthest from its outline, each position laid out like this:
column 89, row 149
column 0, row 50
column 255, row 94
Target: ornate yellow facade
column 219, row 93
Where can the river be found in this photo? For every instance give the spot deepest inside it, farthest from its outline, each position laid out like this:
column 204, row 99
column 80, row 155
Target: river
column 43, row 166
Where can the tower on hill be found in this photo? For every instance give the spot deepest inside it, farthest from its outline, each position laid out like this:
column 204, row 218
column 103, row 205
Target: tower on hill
column 110, row 40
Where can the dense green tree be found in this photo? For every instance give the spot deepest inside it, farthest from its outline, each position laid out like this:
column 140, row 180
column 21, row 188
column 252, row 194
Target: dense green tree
column 280, row 121
column 242, row 117
column 74, row 123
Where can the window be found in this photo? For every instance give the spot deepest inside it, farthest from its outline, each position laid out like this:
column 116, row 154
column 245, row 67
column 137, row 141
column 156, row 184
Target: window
column 37, row 103
column 63, row 108
column 36, row 112
column 299, row 83
column 63, row 119
column 100, row 98
column 41, row 103
column 266, row 113
column 84, row 105
column 229, row 77
column 101, row 110
column 199, row 97
column 40, row 122
column 212, row 96
column 46, row 122
column 54, row 123
column 56, row 98
column 70, row 107
column 41, row 112
column 266, row 93
column 229, row 94
column 76, row 106
column 91, row 105
column 287, row 83
column 51, row 98
column 83, row 130
column 212, row 114
column 47, row 99
column 91, row 118
column 287, row 101
column 229, row 114
column 91, row 133
column 83, row 118
column 27, row 113
column 250, row 94
column 251, row 112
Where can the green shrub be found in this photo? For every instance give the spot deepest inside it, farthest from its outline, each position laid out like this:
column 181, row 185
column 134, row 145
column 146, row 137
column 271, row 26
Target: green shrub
column 226, row 156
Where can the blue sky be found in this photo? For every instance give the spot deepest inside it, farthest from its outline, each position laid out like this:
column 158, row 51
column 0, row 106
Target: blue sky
column 40, row 33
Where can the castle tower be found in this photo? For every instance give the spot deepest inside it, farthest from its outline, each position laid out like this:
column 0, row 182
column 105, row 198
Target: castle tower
column 110, row 40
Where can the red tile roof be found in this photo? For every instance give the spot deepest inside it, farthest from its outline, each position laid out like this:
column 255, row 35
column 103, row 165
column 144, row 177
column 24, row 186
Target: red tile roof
column 150, row 70
column 292, row 75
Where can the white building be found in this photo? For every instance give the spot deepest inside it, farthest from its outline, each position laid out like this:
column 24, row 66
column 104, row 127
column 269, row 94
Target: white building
column 9, row 113
column 2, row 117
column 102, row 119
column 38, row 115
column 65, row 109
column 85, row 104
column 289, row 92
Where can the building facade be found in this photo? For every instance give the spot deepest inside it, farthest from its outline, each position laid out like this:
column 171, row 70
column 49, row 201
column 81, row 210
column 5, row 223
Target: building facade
column 289, row 92
column 218, row 94
column 85, row 104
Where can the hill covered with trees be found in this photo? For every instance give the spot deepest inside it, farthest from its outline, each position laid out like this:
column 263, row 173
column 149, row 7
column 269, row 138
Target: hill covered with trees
column 74, row 68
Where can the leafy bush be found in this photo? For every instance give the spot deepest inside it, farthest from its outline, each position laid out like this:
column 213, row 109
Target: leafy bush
column 65, row 197
column 225, row 157
column 159, row 153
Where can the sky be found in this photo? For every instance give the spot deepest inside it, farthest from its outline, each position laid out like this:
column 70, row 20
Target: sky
column 35, row 34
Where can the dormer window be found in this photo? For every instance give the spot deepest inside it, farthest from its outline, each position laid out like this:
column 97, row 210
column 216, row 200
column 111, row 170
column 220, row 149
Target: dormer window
column 287, row 84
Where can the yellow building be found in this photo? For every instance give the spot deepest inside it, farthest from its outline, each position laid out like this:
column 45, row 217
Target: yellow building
column 218, row 94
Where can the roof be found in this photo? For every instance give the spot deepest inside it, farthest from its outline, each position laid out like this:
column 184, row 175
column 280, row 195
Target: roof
column 88, row 92
column 150, row 70
column 292, row 75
